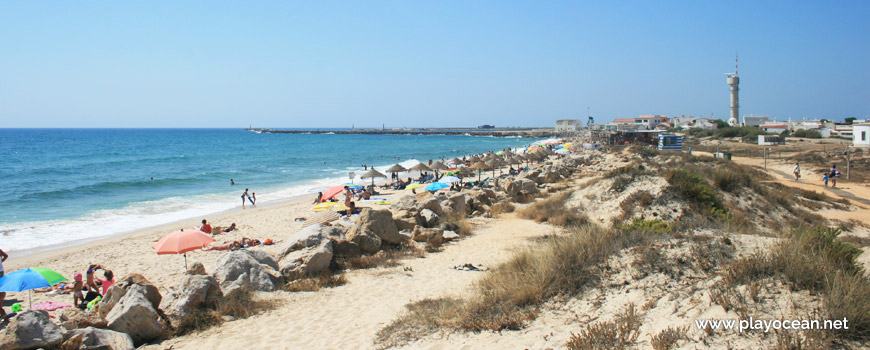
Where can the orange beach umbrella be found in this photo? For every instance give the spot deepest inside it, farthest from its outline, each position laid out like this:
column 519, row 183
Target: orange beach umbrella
column 181, row 242
column 331, row 192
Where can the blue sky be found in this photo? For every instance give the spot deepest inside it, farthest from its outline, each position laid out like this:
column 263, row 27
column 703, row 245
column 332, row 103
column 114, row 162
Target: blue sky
column 416, row 63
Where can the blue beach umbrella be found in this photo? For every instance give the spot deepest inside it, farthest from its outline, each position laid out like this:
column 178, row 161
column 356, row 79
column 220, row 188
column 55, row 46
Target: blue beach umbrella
column 24, row 279
column 435, row 186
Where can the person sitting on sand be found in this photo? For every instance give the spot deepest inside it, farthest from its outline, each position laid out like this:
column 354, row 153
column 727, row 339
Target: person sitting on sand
column 205, row 227
column 319, row 198
column 231, row 228
column 3, row 257
column 107, row 281
column 364, row 195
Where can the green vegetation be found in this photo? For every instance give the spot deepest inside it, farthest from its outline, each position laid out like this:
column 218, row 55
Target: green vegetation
column 654, row 226
column 697, row 191
column 748, row 133
column 810, row 134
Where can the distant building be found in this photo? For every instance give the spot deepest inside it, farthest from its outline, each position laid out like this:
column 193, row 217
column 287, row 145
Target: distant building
column 689, row 122
column 774, row 128
column 650, row 121
column 569, row 125
column 861, row 135
column 755, row 120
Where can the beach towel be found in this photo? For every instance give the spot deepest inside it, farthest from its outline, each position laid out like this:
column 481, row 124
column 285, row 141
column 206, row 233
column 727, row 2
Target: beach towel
column 50, row 306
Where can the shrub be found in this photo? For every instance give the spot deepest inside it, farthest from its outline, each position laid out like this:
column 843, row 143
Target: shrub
column 552, row 210
column 696, row 190
column 313, row 284
column 617, row 334
column 654, row 226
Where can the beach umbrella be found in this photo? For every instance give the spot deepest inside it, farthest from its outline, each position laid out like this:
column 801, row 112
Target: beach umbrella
column 457, row 161
column 562, row 152
column 413, row 186
column 438, row 166
column 421, row 167
column 475, row 159
column 449, row 179
column 331, row 192
column 479, row 167
column 29, row 279
column 332, row 206
column 396, row 168
column 320, row 218
column 463, row 171
column 435, row 186
column 372, row 174
column 181, row 242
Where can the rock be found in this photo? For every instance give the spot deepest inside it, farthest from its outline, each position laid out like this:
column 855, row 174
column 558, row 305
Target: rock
column 196, row 269
column 460, row 203
column 307, row 237
column 432, row 204
column 239, row 269
column 429, row 218
column 307, row 262
column 422, row 195
column 406, row 223
column 422, row 234
column 72, row 318
column 365, row 240
column 408, row 234
column 31, row 330
column 194, row 291
column 521, row 186
column 479, row 198
column 263, row 257
column 551, row 177
column 345, row 222
column 345, row 249
column 91, row 338
column 135, row 316
column 119, row 289
column 404, row 203
column 378, row 223
column 450, row 235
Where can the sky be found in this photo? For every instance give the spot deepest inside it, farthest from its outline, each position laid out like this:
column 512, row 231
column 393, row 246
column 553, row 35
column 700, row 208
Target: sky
column 335, row 64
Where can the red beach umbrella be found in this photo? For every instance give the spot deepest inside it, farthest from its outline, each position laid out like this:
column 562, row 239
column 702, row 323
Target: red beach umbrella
column 181, row 242
column 331, row 192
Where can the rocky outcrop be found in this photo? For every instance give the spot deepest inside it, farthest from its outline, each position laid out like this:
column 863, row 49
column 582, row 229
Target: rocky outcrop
column 429, row 235
column 135, row 316
column 31, row 330
column 404, row 203
column 119, row 289
column 194, row 291
column 91, row 338
column 460, row 203
column 345, row 249
column 310, row 261
column 432, row 204
column 239, row 269
column 372, row 228
column 310, row 236
column 429, row 218
column 72, row 318
column 520, row 187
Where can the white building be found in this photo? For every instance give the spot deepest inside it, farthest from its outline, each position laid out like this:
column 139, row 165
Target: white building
column 649, row 121
column 569, row 125
column 861, row 135
column 774, row 128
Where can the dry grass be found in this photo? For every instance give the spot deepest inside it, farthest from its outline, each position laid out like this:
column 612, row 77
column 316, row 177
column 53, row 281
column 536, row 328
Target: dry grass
column 501, row 208
column 669, row 338
column 509, row 296
column 389, row 256
column 241, row 303
column 313, row 284
column 620, row 333
column 552, row 210
column 856, row 241
column 456, row 222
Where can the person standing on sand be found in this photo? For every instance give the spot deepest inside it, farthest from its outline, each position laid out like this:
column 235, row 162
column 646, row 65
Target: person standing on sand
column 244, row 196
column 797, row 171
column 833, row 175
column 253, row 198
column 3, row 257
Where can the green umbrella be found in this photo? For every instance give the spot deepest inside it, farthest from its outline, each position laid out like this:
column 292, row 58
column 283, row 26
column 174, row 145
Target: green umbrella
column 52, row 276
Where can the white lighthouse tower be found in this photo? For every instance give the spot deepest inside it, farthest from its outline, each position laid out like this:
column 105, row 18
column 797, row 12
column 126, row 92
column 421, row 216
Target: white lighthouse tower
column 734, row 81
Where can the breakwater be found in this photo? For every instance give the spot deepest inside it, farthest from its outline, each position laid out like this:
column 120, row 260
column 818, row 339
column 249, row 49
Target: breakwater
column 427, row 131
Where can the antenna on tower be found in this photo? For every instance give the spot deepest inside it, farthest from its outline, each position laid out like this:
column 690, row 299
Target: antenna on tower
column 735, row 63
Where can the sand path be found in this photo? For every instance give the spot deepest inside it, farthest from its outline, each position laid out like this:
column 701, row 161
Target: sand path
column 349, row 316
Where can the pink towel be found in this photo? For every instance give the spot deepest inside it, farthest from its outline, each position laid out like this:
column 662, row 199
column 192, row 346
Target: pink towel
column 50, row 306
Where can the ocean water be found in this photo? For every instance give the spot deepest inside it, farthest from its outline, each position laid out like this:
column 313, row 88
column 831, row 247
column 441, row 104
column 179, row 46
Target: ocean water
column 63, row 185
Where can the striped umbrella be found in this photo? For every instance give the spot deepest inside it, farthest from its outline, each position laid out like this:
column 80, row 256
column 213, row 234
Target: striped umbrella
column 320, row 218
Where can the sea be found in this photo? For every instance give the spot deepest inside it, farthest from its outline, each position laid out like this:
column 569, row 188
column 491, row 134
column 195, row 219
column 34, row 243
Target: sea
column 70, row 185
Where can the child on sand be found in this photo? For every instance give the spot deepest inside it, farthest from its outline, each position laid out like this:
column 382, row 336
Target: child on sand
column 77, row 287
column 92, row 285
column 826, row 179
column 107, row 281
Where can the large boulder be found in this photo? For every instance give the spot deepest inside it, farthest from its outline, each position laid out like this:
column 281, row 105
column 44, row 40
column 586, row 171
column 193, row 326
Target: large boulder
column 521, row 186
column 307, row 262
column 460, row 203
column 135, row 316
column 345, row 249
column 429, row 235
column 31, row 330
column 367, row 241
column 194, row 291
column 239, row 269
column 119, row 289
column 377, row 223
column 310, row 236
column 432, row 204
column 429, row 218
column 450, row 235
column 91, row 338
column 72, row 318
column 404, row 203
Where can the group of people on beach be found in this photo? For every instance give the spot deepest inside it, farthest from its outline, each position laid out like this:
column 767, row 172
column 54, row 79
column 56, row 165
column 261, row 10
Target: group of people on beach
column 829, row 175
column 252, row 197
